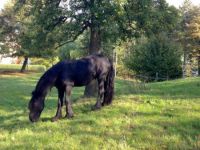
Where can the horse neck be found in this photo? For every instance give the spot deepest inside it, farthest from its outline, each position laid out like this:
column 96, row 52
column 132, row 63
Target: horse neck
column 46, row 82
column 43, row 89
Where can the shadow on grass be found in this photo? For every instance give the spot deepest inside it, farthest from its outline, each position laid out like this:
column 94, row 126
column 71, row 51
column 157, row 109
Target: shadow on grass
column 14, row 121
column 18, row 119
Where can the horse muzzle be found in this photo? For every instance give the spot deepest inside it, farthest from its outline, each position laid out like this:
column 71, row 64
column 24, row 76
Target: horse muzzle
column 33, row 118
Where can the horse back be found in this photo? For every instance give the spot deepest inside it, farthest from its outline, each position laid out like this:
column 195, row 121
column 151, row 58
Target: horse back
column 81, row 72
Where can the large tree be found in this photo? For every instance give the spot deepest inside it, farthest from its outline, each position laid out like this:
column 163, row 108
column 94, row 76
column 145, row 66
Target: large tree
column 58, row 22
column 10, row 30
column 18, row 32
column 62, row 21
column 194, row 32
column 189, row 34
column 193, row 36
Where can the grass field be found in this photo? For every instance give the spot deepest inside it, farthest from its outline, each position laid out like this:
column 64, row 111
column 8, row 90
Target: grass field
column 17, row 67
column 163, row 115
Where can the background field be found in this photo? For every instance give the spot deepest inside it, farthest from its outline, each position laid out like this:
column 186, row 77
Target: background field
column 17, row 67
column 164, row 115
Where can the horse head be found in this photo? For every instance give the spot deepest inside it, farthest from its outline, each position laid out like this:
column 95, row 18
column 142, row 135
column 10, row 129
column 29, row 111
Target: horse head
column 36, row 106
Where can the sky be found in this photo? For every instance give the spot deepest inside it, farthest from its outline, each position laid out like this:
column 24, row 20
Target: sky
column 176, row 3
column 2, row 2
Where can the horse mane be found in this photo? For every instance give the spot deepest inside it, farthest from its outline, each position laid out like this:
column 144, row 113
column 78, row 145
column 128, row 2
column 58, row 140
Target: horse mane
column 46, row 81
column 36, row 93
column 100, row 54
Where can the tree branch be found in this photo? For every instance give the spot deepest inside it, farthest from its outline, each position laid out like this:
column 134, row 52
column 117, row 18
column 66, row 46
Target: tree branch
column 61, row 19
column 86, row 25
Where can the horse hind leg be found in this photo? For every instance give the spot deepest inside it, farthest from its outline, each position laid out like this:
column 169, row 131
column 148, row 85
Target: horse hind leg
column 69, row 111
column 100, row 97
column 60, row 104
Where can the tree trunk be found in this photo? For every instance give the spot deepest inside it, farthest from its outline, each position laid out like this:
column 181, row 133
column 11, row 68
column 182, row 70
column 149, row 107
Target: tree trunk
column 24, row 64
column 198, row 65
column 184, row 64
column 94, row 47
column 95, row 41
column 91, row 89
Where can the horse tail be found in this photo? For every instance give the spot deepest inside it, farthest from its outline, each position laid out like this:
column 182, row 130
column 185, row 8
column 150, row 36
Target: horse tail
column 109, row 86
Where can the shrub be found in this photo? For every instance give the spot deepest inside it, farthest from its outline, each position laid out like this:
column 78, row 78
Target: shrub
column 157, row 56
column 124, row 72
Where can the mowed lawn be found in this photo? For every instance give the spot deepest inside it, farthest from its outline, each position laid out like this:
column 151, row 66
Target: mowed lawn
column 164, row 115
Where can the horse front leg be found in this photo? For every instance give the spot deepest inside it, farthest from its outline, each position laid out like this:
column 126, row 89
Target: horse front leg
column 69, row 111
column 100, row 97
column 60, row 104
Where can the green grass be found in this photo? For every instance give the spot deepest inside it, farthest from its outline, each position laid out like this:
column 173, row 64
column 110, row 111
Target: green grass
column 17, row 67
column 163, row 115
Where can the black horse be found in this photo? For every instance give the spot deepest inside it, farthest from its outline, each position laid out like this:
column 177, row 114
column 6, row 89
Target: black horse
column 67, row 74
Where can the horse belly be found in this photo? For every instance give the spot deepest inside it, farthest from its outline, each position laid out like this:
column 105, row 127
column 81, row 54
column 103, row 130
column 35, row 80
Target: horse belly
column 82, row 80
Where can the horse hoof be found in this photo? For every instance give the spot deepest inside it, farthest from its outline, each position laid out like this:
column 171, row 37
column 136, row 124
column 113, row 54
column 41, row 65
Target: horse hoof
column 95, row 108
column 69, row 116
column 105, row 104
column 54, row 119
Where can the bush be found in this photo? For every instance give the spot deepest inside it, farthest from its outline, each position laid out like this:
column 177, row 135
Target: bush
column 17, row 67
column 123, row 72
column 157, row 56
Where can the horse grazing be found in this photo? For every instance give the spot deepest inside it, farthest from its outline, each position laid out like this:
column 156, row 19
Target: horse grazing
column 67, row 74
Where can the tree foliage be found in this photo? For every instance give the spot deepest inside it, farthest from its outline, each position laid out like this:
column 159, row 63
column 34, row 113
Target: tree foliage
column 9, row 31
column 151, row 16
column 19, row 34
column 157, row 55
column 189, row 36
column 58, row 22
